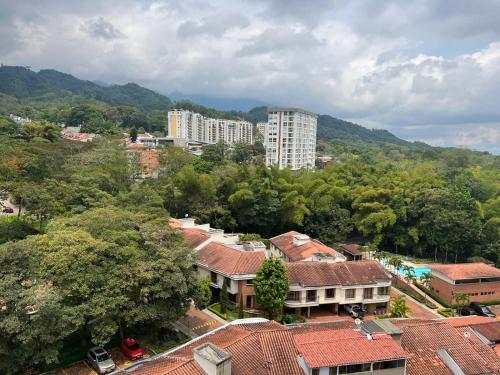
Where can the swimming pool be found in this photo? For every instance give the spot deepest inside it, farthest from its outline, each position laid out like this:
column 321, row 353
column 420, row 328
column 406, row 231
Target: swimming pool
column 419, row 271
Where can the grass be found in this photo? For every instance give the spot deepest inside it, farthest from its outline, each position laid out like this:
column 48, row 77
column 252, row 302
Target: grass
column 232, row 312
column 447, row 313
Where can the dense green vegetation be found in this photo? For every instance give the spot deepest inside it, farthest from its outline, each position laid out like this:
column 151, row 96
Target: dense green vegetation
column 94, row 256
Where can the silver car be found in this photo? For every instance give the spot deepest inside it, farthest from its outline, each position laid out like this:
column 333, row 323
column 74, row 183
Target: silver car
column 100, row 360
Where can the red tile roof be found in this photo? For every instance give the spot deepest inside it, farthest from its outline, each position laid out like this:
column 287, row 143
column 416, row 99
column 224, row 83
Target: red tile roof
column 256, row 349
column 351, row 248
column 284, row 242
column 462, row 321
column 230, row 261
column 462, row 271
column 423, row 340
column 346, row 346
column 489, row 330
column 346, row 273
column 194, row 236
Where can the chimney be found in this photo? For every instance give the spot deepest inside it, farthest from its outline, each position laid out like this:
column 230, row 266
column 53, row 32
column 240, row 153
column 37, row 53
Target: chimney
column 300, row 239
column 212, row 359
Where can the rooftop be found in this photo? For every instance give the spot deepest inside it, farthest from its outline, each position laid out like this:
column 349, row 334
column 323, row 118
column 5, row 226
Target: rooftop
column 298, row 246
column 290, row 109
column 346, row 273
column 193, row 236
column 346, row 346
column 229, row 261
column 462, row 271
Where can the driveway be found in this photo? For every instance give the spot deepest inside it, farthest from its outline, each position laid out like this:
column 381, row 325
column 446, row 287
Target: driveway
column 199, row 322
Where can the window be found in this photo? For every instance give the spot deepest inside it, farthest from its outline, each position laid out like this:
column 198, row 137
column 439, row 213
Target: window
column 388, row 364
column 213, row 277
column 350, row 293
column 250, row 282
column 350, row 369
column 315, row 371
column 311, row 295
column 368, row 293
column 383, row 291
column 333, row 370
column 330, row 293
column 228, row 282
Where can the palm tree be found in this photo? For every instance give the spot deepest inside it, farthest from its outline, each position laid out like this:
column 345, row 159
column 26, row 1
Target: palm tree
column 397, row 263
column 426, row 280
column 410, row 274
column 461, row 299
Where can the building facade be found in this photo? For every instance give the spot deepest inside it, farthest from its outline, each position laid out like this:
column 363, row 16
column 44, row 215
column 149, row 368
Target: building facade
column 333, row 285
column 197, row 128
column 290, row 138
column 479, row 281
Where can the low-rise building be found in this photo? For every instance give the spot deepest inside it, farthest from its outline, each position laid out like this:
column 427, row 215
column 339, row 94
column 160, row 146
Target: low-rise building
column 479, row 281
column 353, row 251
column 331, row 285
column 294, row 247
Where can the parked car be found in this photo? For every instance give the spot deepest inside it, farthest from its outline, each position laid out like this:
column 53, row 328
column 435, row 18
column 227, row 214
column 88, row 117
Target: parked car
column 131, row 349
column 481, row 309
column 466, row 311
column 100, row 360
column 356, row 311
column 8, row 210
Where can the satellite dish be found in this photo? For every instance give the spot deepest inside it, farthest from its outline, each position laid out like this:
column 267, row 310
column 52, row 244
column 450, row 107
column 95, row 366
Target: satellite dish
column 357, row 321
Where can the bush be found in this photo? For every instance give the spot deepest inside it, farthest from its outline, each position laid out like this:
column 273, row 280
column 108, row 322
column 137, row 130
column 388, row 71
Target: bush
column 447, row 313
column 416, row 296
column 291, row 319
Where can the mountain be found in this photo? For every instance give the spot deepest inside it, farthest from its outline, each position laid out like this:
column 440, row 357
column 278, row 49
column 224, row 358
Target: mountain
column 219, row 103
column 21, row 89
column 20, row 82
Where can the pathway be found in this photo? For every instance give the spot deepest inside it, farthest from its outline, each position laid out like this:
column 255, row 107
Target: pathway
column 200, row 322
column 417, row 309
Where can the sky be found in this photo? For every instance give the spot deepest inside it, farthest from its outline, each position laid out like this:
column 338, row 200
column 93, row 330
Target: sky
column 426, row 70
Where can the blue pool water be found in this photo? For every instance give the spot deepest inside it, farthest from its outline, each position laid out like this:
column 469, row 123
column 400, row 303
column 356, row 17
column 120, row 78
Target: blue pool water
column 419, row 271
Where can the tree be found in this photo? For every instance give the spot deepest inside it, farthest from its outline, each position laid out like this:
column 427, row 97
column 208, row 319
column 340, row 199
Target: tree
column 271, row 286
column 399, row 309
column 241, row 314
column 461, row 299
column 426, row 280
column 223, row 297
column 133, row 134
column 206, row 294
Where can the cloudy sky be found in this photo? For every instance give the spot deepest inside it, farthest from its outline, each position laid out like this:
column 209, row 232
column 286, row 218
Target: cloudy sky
column 426, row 70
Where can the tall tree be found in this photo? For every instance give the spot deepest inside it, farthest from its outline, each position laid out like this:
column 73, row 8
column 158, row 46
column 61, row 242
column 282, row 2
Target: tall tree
column 271, row 286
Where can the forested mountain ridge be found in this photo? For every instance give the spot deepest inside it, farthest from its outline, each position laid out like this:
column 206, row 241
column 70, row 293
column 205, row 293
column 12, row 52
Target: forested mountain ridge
column 22, row 89
column 20, row 82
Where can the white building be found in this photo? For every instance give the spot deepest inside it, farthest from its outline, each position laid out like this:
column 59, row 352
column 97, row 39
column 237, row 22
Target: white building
column 261, row 132
column 290, row 138
column 197, row 128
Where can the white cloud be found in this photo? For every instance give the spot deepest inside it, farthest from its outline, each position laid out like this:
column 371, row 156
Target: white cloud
column 422, row 70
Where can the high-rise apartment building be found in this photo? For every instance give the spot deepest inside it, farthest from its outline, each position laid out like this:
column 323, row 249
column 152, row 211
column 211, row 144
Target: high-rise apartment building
column 197, row 128
column 261, row 131
column 290, row 138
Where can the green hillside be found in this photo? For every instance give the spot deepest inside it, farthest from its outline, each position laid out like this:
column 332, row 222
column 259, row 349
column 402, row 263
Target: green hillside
column 23, row 83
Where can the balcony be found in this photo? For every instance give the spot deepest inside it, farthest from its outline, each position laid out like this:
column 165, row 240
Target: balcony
column 302, row 301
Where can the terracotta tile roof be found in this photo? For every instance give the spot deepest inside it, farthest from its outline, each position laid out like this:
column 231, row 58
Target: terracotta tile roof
column 322, row 326
column 489, row 330
column 284, row 242
column 462, row 321
column 462, row 271
column 256, row 349
column 424, row 341
column 194, row 236
column 230, row 261
column 346, row 346
column 346, row 273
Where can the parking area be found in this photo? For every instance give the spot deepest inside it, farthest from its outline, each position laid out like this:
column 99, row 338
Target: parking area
column 83, row 368
column 199, row 322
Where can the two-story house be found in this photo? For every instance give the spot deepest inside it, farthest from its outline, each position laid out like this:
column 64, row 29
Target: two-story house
column 294, row 247
column 324, row 285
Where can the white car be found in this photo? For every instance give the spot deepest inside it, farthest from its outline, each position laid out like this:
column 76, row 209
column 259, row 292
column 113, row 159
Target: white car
column 356, row 311
column 100, row 360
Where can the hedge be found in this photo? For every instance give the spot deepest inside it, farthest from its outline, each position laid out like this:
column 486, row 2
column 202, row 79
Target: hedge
column 433, row 296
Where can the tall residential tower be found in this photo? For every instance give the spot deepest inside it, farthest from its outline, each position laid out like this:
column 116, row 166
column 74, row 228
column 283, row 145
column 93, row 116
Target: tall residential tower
column 290, row 138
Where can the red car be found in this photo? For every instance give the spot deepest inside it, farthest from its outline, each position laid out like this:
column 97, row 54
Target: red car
column 131, row 349
column 8, row 210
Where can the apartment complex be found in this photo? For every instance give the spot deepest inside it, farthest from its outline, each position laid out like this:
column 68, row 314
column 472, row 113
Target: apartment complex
column 479, row 281
column 261, row 132
column 195, row 127
column 290, row 138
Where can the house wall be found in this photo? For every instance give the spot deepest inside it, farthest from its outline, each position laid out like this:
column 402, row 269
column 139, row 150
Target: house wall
column 478, row 292
column 340, row 295
column 246, row 290
column 232, row 287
